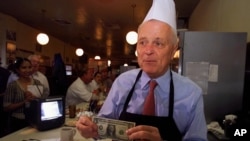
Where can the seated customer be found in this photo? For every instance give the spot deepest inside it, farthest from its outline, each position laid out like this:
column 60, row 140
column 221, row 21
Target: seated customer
column 106, row 80
column 97, row 85
column 17, row 94
column 80, row 90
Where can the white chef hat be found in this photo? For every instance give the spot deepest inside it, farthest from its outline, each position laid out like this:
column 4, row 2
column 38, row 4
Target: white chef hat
column 163, row 10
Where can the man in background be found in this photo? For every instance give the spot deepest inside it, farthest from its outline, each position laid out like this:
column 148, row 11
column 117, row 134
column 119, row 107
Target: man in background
column 80, row 90
column 36, row 74
column 96, row 82
column 106, row 80
column 4, row 74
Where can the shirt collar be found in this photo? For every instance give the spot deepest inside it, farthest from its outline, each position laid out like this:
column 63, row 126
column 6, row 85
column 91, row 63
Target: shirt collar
column 163, row 81
column 144, row 80
column 35, row 73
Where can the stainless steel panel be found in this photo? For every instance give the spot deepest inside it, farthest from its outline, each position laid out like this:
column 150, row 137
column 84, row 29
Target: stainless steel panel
column 228, row 51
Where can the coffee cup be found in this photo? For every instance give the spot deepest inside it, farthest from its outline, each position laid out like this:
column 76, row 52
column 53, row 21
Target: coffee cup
column 67, row 134
column 72, row 111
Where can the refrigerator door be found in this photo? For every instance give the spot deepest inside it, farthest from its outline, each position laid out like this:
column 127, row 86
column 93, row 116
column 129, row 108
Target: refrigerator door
column 216, row 62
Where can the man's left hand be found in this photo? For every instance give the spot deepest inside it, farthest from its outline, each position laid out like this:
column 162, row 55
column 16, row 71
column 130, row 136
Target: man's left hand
column 144, row 132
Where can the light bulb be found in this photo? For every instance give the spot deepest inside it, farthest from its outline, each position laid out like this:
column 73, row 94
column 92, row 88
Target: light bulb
column 97, row 57
column 109, row 63
column 42, row 38
column 131, row 37
column 79, row 52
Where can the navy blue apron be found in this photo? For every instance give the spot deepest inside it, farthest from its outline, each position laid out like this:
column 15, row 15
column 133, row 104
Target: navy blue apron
column 166, row 125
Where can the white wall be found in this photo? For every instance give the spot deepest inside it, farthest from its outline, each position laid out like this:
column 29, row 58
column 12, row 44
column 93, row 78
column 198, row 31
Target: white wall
column 26, row 40
column 221, row 15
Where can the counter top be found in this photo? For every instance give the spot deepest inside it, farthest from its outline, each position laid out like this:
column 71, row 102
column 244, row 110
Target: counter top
column 32, row 134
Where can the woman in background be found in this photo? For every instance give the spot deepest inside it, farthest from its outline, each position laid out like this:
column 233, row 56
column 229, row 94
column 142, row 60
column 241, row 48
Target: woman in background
column 17, row 95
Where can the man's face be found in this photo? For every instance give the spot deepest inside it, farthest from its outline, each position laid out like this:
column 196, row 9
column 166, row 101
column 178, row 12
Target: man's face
column 98, row 78
column 89, row 75
column 104, row 74
column 35, row 64
column 155, row 47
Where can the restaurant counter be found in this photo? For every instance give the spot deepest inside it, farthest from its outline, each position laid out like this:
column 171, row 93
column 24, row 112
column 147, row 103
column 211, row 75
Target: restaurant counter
column 29, row 134
column 32, row 134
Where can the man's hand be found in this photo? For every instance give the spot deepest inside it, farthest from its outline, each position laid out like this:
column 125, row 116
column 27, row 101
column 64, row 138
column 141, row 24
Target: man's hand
column 144, row 132
column 86, row 127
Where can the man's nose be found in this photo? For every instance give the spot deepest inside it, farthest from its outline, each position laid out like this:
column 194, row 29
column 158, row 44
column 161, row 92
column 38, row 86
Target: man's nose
column 149, row 49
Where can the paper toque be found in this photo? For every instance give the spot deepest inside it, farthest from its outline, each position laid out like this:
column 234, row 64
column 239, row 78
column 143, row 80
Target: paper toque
column 163, row 10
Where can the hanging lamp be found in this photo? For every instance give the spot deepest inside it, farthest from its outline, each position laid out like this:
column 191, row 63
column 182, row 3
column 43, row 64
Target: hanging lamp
column 132, row 36
column 42, row 38
column 79, row 52
column 97, row 57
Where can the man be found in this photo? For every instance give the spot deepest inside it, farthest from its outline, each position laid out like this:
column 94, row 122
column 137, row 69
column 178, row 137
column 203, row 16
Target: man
column 80, row 90
column 178, row 109
column 4, row 74
column 36, row 74
column 96, row 83
column 106, row 80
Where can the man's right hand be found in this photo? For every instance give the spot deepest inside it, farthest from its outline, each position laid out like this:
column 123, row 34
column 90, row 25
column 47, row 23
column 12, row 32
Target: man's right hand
column 86, row 127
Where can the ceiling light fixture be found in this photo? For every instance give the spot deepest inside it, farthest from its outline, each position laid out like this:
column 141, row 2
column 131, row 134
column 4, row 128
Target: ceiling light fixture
column 79, row 52
column 109, row 63
column 42, row 38
column 97, row 57
column 132, row 36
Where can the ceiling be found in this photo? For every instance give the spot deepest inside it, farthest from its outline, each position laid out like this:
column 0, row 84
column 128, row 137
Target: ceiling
column 97, row 26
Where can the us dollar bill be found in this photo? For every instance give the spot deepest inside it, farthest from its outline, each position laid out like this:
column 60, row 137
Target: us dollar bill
column 112, row 129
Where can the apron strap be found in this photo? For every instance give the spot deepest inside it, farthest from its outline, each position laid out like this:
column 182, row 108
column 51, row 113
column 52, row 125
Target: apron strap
column 131, row 91
column 171, row 96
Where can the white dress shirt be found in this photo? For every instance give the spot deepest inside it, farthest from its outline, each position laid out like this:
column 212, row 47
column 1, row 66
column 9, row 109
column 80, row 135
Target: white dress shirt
column 78, row 92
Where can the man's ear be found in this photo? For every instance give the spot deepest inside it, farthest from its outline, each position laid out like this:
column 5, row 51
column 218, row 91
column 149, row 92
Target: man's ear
column 175, row 48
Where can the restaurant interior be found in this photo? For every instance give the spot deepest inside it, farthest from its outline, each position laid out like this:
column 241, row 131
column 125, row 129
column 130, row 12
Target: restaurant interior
column 94, row 33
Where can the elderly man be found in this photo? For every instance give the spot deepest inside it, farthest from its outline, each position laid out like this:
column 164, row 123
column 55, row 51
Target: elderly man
column 36, row 74
column 173, row 109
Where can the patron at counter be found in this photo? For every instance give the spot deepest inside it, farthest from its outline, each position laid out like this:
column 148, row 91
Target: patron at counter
column 18, row 94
